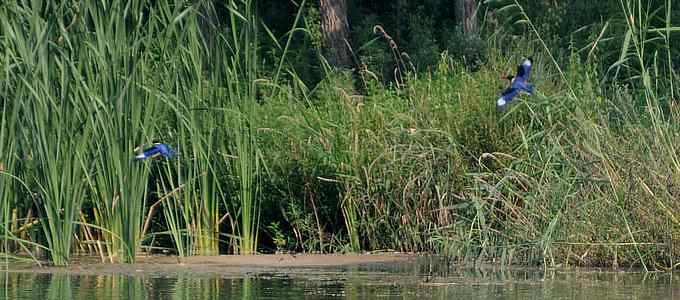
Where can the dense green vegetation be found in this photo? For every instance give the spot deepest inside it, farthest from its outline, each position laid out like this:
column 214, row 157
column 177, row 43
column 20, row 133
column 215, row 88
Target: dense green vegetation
column 279, row 150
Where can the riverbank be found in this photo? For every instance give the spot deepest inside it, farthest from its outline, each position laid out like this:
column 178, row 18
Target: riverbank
column 223, row 265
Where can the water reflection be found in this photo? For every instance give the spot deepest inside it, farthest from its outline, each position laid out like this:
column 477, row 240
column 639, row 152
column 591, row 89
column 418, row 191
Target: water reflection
column 60, row 287
column 422, row 279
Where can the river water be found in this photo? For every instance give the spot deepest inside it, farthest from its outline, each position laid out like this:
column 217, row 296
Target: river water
column 420, row 279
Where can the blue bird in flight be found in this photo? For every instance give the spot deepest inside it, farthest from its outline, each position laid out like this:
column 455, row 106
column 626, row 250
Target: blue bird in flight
column 518, row 83
column 157, row 149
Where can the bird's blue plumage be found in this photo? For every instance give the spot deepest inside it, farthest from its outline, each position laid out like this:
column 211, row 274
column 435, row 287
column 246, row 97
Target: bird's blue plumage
column 524, row 69
column 156, row 150
column 518, row 84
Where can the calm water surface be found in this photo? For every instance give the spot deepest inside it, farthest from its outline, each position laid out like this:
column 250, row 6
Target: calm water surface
column 424, row 278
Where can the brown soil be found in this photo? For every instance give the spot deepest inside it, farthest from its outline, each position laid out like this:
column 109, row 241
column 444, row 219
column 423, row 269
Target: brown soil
column 226, row 265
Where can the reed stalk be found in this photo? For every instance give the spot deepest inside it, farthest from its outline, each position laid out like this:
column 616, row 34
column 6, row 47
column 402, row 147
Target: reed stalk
column 240, row 71
column 122, row 114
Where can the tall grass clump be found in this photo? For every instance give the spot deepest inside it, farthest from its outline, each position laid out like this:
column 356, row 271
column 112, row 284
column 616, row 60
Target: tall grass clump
column 122, row 115
column 240, row 152
column 7, row 162
column 191, row 181
column 6, row 145
column 434, row 168
column 52, row 130
column 11, row 188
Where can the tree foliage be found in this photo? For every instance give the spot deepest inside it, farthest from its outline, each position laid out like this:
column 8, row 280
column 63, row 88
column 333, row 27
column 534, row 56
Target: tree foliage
column 426, row 28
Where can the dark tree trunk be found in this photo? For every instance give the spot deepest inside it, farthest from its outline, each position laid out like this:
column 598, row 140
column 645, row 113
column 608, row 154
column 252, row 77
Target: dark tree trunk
column 335, row 32
column 466, row 15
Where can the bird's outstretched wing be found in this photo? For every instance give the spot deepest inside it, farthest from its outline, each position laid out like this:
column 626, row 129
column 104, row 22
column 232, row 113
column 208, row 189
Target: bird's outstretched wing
column 506, row 98
column 148, row 153
column 156, row 150
column 517, row 84
column 166, row 151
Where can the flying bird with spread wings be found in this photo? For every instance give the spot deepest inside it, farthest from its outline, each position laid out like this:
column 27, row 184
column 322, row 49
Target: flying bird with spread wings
column 518, row 83
column 156, row 150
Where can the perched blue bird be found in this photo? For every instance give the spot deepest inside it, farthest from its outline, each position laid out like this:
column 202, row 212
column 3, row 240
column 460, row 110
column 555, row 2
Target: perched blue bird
column 154, row 151
column 518, row 83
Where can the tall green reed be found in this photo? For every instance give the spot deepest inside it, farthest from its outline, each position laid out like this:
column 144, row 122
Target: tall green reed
column 238, row 73
column 122, row 114
column 353, row 173
column 7, row 161
column 12, row 187
column 191, row 181
column 639, row 20
column 52, row 131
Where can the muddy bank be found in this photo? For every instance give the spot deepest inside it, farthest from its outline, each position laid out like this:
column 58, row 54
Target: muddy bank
column 225, row 265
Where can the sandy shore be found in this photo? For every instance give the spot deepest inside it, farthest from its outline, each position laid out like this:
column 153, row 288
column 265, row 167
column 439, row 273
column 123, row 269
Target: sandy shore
column 288, row 260
column 221, row 265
